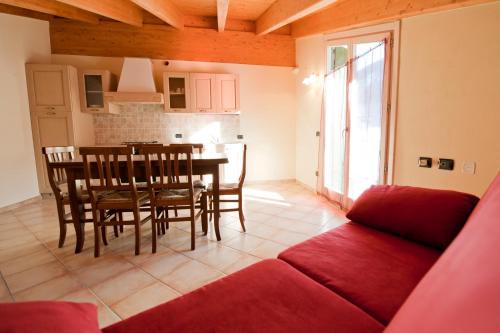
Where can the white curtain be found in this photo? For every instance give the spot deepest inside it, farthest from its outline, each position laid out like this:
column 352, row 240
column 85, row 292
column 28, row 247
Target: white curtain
column 365, row 108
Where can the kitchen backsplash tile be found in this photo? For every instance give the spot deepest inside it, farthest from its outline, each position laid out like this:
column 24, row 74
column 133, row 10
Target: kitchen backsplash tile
column 138, row 122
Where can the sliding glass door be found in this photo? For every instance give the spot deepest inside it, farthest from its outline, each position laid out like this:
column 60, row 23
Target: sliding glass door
column 355, row 117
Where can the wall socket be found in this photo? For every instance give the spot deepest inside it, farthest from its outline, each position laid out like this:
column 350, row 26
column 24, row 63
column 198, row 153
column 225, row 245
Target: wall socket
column 469, row 167
column 178, row 136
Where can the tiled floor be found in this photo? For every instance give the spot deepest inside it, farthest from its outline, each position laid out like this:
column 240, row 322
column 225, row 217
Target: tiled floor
column 32, row 267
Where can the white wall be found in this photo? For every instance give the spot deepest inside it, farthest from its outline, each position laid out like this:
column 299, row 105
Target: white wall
column 310, row 59
column 21, row 40
column 267, row 98
column 448, row 103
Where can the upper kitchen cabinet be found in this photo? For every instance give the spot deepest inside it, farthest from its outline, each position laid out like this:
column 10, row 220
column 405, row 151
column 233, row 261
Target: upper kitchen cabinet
column 176, row 88
column 56, row 119
column 227, row 93
column 203, row 92
column 49, row 87
column 93, row 85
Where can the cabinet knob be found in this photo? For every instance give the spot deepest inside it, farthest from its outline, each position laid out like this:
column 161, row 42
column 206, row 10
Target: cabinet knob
column 51, row 113
column 50, row 108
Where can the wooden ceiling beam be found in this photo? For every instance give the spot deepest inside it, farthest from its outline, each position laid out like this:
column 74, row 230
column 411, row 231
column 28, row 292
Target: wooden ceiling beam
column 348, row 14
column 53, row 7
column 283, row 12
column 119, row 10
column 6, row 9
column 222, row 9
column 163, row 9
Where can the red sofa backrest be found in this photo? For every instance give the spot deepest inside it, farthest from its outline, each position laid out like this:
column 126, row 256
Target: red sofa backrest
column 461, row 292
column 427, row 216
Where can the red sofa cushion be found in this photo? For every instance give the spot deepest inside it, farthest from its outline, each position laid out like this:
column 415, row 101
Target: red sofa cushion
column 48, row 317
column 269, row 296
column 461, row 293
column 374, row 270
column 432, row 217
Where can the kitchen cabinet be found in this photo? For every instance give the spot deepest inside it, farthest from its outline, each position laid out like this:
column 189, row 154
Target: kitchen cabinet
column 227, row 93
column 48, row 87
column 93, row 85
column 203, row 92
column 55, row 120
column 176, row 88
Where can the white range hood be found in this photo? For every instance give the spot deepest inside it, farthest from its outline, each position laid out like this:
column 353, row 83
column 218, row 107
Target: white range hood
column 136, row 84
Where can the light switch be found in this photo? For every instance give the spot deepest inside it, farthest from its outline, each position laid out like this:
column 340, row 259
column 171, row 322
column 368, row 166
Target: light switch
column 469, row 167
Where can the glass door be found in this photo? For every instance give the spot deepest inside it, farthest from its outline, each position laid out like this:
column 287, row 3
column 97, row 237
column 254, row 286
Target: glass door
column 355, row 116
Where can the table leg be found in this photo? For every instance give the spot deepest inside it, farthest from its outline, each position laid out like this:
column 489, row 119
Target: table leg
column 215, row 184
column 76, row 210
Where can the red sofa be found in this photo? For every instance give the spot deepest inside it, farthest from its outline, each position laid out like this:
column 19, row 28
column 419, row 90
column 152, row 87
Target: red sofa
column 392, row 269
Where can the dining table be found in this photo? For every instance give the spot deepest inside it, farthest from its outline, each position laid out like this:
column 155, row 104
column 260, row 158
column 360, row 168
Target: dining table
column 202, row 164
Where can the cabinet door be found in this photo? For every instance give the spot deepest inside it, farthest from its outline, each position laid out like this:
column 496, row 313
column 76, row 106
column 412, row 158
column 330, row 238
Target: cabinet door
column 176, row 88
column 203, row 92
column 227, row 93
column 48, row 87
column 93, row 85
column 50, row 128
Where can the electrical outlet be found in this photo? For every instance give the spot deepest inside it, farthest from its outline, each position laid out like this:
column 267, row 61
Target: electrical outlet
column 239, row 136
column 425, row 162
column 178, row 136
column 445, row 164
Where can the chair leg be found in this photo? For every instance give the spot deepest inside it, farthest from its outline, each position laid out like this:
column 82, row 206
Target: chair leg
column 204, row 216
column 120, row 218
column 115, row 227
column 62, row 224
column 62, row 234
column 211, row 207
column 193, row 230
column 103, row 228
column 154, row 226
column 97, row 239
column 240, row 212
column 137, row 222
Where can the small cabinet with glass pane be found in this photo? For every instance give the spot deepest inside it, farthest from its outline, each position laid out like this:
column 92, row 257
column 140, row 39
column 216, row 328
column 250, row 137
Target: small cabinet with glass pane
column 176, row 91
column 93, row 85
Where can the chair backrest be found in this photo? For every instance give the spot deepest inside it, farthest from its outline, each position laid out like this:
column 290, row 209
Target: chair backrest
column 137, row 147
column 171, row 163
column 243, row 167
column 197, row 147
column 109, row 169
column 57, row 176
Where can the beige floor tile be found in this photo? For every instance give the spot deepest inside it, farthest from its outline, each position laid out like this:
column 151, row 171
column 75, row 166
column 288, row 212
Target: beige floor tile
column 4, row 291
column 20, row 250
column 268, row 249
column 33, row 276
column 243, row 262
column 191, row 275
column 26, row 262
column 105, row 314
column 115, row 289
column 289, row 238
column 245, row 242
column 261, row 230
column 84, row 259
column 220, row 257
column 145, row 255
column 164, row 264
column 144, row 299
column 50, row 290
column 103, row 270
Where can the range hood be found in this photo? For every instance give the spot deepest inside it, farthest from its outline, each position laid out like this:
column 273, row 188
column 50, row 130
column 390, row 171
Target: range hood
column 136, row 84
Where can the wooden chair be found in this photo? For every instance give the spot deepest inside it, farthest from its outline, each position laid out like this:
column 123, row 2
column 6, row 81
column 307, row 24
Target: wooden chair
column 110, row 193
column 230, row 189
column 198, row 148
column 171, row 191
column 57, row 179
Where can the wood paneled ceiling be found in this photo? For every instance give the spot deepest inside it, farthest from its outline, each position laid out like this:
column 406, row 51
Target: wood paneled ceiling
column 245, row 25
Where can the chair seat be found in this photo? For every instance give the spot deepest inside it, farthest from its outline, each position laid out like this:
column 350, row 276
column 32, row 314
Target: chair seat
column 181, row 194
column 83, row 197
column 198, row 183
column 225, row 187
column 120, row 197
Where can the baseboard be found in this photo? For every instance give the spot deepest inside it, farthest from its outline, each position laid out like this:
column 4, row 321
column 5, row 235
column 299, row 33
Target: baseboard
column 274, row 181
column 20, row 204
